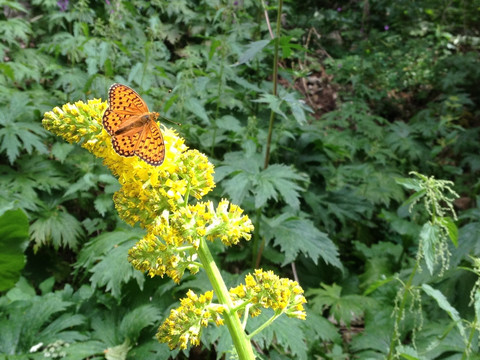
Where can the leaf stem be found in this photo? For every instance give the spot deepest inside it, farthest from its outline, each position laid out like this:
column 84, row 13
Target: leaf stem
column 264, row 325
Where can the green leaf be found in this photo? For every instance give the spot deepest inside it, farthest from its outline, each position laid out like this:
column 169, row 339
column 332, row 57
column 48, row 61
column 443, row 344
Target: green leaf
column 197, row 108
column 15, row 29
column 429, row 237
column 57, row 226
column 135, row 72
column 449, row 224
column 138, row 319
column 445, row 305
column 106, row 257
column 13, row 242
column 103, row 204
column 61, row 150
column 298, row 107
column 280, row 332
column 33, row 320
column 274, row 103
column 344, row 308
column 84, row 350
column 476, row 303
column 295, row 235
column 278, row 178
column 252, row 49
column 16, row 133
column 118, row 352
column 410, row 184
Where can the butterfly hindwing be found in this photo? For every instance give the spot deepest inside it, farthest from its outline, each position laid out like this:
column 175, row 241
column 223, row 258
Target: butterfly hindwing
column 125, row 145
column 151, row 147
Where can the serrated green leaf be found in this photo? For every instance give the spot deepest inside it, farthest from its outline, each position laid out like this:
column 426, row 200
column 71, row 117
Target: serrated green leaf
column 106, row 258
column 135, row 72
column 344, row 308
column 138, row 319
column 274, row 103
column 445, row 305
column 53, row 331
column 449, row 224
column 429, row 237
column 57, row 227
column 281, row 331
column 476, row 303
column 229, row 123
column 103, row 203
column 84, row 350
column 197, row 108
column 298, row 107
column 295, row 235
column 17, row 132
column 252, row 49
column 61, row 150
column 410, row 184
column 118, row 352
column 13, row 242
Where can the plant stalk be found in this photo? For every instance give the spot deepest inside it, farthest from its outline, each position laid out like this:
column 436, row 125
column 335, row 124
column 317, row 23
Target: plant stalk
column 240, row 340
column 275, row 83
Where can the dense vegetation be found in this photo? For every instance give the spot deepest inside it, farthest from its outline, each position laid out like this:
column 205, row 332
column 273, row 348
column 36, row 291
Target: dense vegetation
column 335, row 160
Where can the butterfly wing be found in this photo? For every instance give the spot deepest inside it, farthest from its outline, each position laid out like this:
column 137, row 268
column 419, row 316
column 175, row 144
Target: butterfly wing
column 151, row 147
column 125, row 144
column 123, row 103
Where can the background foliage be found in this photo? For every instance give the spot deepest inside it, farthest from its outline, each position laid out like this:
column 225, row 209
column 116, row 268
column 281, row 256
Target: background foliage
column 369, row 91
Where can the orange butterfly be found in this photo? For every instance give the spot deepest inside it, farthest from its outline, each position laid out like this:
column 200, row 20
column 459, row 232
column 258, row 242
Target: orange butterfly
column 133, row 128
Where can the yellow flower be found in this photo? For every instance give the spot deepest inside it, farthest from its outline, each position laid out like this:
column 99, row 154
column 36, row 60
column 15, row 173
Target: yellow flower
column 184, row 325
column 267, row 290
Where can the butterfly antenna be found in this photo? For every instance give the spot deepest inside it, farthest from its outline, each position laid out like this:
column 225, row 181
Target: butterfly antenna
column 165, row 118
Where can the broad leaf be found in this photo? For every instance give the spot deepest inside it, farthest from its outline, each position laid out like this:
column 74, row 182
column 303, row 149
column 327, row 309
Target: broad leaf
column 445, row 305
column 13, row 241
column 295, row 235
column 106, row 257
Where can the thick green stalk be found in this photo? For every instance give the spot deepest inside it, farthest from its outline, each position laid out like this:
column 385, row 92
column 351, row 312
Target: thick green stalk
column 241, row 342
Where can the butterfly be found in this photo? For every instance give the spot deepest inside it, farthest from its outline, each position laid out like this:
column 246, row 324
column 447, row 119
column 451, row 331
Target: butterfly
column 133, row 127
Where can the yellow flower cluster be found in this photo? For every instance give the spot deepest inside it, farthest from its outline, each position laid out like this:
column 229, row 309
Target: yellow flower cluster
column 146, row 190
column 76, row 122
column 169, row 248
column 161, row 252
column 201, row 220
column 267, row 290
column 156, row 197
column 184, row 325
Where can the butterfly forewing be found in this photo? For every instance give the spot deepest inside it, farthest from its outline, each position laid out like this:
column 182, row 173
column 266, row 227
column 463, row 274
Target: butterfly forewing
column 133, row 128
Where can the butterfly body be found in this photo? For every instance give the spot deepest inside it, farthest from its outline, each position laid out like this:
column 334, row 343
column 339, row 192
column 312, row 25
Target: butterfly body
column 133, row 127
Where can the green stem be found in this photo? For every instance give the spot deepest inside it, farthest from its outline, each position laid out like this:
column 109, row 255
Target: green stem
column 240, row 340
column 399, row 315
column 219, row 96
column 275, row 83
column 264, row 325
column 468, row 348
column 256, row 238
